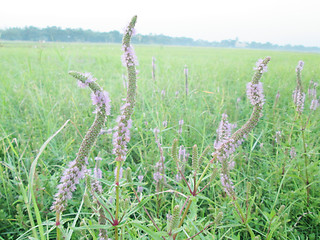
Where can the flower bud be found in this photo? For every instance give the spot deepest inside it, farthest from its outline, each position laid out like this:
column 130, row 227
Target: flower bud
column 175, row 217
column 174, row 150
column 129, row 175
column 281, row 209
column 219, row 218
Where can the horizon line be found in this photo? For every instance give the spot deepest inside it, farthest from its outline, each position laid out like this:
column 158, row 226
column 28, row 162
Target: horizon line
column 158, row 34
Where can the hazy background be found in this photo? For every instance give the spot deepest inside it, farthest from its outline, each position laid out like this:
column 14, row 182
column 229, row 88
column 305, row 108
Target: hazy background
column 276, row 21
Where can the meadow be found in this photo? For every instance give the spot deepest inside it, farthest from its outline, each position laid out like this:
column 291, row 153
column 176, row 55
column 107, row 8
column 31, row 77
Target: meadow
column 44, row 116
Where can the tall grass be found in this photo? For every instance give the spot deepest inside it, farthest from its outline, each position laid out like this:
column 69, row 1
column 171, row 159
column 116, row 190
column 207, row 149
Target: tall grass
column 43, row 119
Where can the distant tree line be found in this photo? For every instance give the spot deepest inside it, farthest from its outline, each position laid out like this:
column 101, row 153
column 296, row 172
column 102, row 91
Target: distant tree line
column 57, row 34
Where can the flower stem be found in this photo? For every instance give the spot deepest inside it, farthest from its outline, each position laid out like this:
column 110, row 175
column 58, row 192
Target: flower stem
column 241, row 215
column 146, row 211
column 117, row 199
column 57, row 225
column 202, row 175
column 305, row 164
column 183, row 217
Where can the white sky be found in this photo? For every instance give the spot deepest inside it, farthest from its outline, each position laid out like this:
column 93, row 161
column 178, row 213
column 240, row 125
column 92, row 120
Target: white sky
column 277, row 21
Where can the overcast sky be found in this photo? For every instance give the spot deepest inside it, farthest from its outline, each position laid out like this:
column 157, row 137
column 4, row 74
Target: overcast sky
column 277, row 21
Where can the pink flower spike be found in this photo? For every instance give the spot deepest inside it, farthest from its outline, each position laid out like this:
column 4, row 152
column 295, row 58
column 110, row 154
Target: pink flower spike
column 89, row 77
column 314, row 104
column 106, row 101
column 300, row 66
column 260, row 66
column 140, row 189
column 97, row 173
column 96, row 100
column 255, row 93
column 81, row 84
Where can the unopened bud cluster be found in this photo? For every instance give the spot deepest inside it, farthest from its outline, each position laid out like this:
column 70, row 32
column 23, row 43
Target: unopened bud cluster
column 173, row 220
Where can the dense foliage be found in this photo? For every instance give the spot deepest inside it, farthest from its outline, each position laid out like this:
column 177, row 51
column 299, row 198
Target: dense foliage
column 40, row 105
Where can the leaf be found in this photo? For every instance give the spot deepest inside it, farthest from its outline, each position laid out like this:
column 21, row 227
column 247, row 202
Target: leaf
column 193, row 209
column 70, row 232
column 94, row 226
column 34, row 163
column 154, row 235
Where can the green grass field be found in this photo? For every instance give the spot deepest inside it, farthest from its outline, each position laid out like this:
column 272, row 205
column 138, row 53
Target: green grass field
column 37, row 97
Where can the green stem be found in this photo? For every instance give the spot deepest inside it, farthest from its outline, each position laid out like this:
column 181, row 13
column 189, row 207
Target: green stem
column 38, row 217
column 202, row 175
column 190, row 201
column 117, row 189
column 144, row 208
column 185, row 213
column 241, row 215
column 58, row 229
column 183, row 217
column 117, row 198
column 116, row 233
column 291, row 131
column 307, row 121
column 25, row 198
column 305, row 164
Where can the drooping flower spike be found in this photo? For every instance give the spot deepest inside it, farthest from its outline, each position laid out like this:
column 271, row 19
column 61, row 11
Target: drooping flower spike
column 78, row 167
column 225, row 149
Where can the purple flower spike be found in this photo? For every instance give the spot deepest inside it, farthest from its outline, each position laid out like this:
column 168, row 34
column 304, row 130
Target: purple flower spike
column 78, row 167
column 261, row 66
column 165, row 124
column 71, row 177
column 255, row 93
column 156, row 131
column 101, row 99
column 129, row 57
column 181, row 122
column 182, row 153
column 96, row 100
column 314, row 104
column 225, row 144
column 293, row 153
column 223, row 131
column 81, row 84
column 140, row 189
column 298, row 99
column 121, row 136
column 157, row 176
column 299, row 68
column 88, row 78
column 97, row 173
column 178, row 177
column 227, row 185
column 298, row 95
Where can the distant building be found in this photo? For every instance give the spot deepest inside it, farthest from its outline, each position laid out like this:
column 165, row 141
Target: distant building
column 239, row 44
